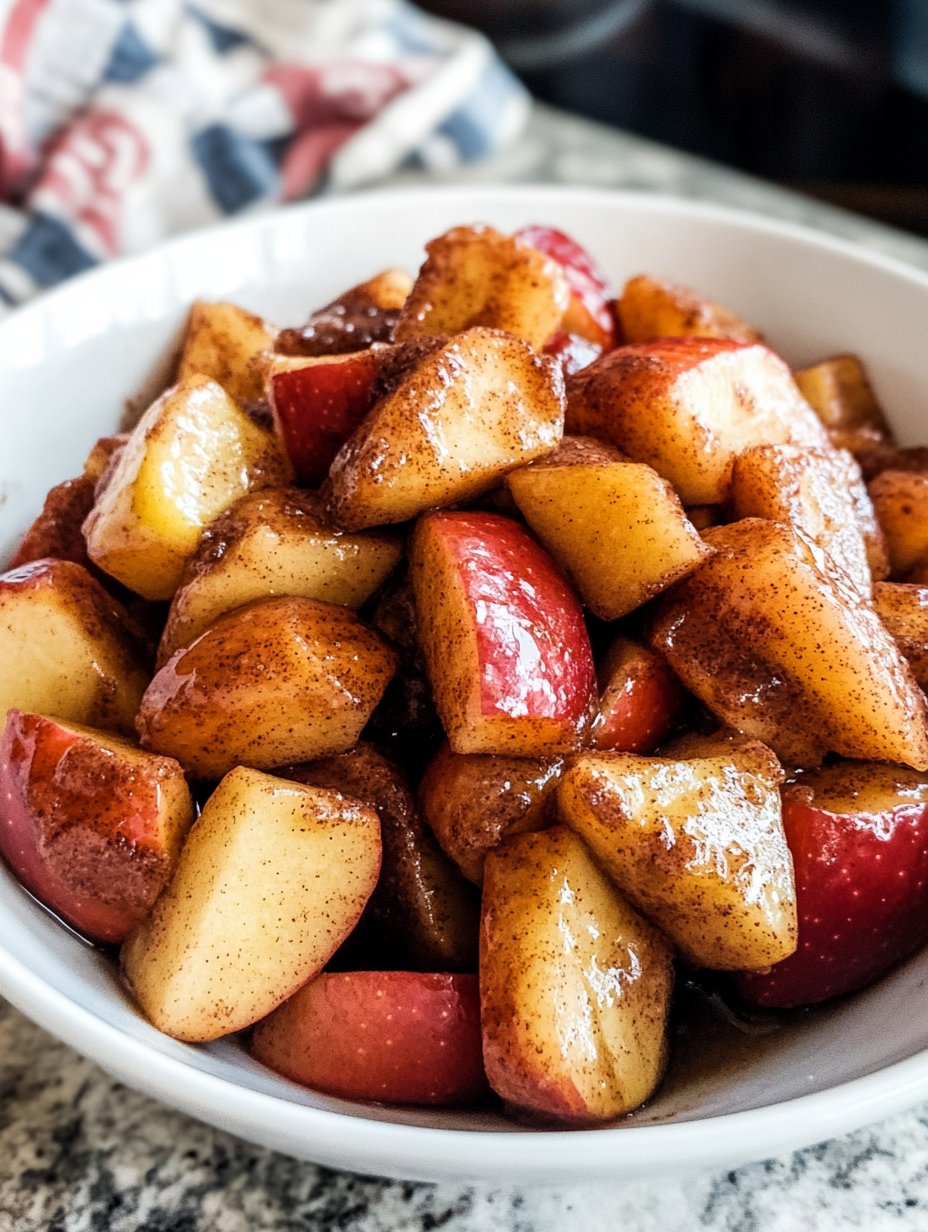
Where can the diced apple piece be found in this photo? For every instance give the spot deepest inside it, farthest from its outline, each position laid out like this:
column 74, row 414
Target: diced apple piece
column 617, row 529
column 858, row 834
column 318, row 404
column 697, row 845
column 903, row 609
column 271, row 544
column 640, row 699
column 89, row 824
column 650, row 308
column 574, row 984
column 271, row 880
column 220, row 341
column 102, row 453
column 422, row 913
column 840, row 393
column 190, row 456
column 395, row 1037
column 473, row 802
column 900, row 499
column 770, row 636
column 66, row 648
column 689, row 406
column 57, row 530
column 478, row 406
column 820, row 493
column 275, row 682
column 588, row 314
column 504, row 640
column 474, row 276
column 363, row 315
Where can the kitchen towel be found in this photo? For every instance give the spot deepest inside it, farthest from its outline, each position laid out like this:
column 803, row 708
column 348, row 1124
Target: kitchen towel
column 125, row 121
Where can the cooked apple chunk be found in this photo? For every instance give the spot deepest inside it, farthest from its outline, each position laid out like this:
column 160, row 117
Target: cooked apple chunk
column 363, row 315
column 90, row 824
column 477, row 276
column 840, row 393
column 271, row 880
column 473, row 802
column 639, row 699
column 819, row 492
column 422, row 913
column 697, row 845
column 770, row 636
column 101, row 455
column 574, row 984
column 271, row 544
column 66, row 648
column 395, row 1037
column 57, row 530
column 650, row 308
column 190, row 456
column 617, row 529
column 689, row 406
column 903, row 609
column 220, row 341
column 317, row 404
column 900, row 499
column 480, row 405
column 278, row 681
column 504, row 640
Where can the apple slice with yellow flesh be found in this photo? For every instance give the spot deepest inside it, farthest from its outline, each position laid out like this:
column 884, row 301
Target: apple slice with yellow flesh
column 272, row 879
column 695, row 840
column 574, row 984
column 650, row 308
column 478, row 276
column 270, row 544
column 616, row 528
column 89, row 823
column 423, row 914
column 503, row 636
column 220, row 341
column 189, row 457
column 398, row 1037
column 773, row 638
column 66, row 648
column 272, row 683
column 474, row 407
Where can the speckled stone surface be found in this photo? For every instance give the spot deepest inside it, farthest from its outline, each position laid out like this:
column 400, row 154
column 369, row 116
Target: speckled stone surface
column 80, row 1153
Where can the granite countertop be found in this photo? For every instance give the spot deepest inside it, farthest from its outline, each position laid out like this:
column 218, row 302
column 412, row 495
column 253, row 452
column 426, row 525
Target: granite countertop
column 81, row 1153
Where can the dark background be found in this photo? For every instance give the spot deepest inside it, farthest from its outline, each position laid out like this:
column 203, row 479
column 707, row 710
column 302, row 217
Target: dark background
column 826, row 96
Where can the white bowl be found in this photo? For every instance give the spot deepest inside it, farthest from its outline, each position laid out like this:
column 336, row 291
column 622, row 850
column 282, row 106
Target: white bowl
column 69, row 362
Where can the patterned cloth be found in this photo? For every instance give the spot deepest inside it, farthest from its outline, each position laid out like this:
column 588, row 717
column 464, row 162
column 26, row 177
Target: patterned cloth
column 123, row 121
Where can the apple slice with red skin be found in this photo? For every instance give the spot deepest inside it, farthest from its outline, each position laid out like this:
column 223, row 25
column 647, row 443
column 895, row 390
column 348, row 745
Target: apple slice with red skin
column 503, row 635
column 397, row 1037
column 57, row 530
column 858, row 834
column 317, row 406
column 640, row 699
column 573, row 351
column 89, row 824
column 588, row 314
